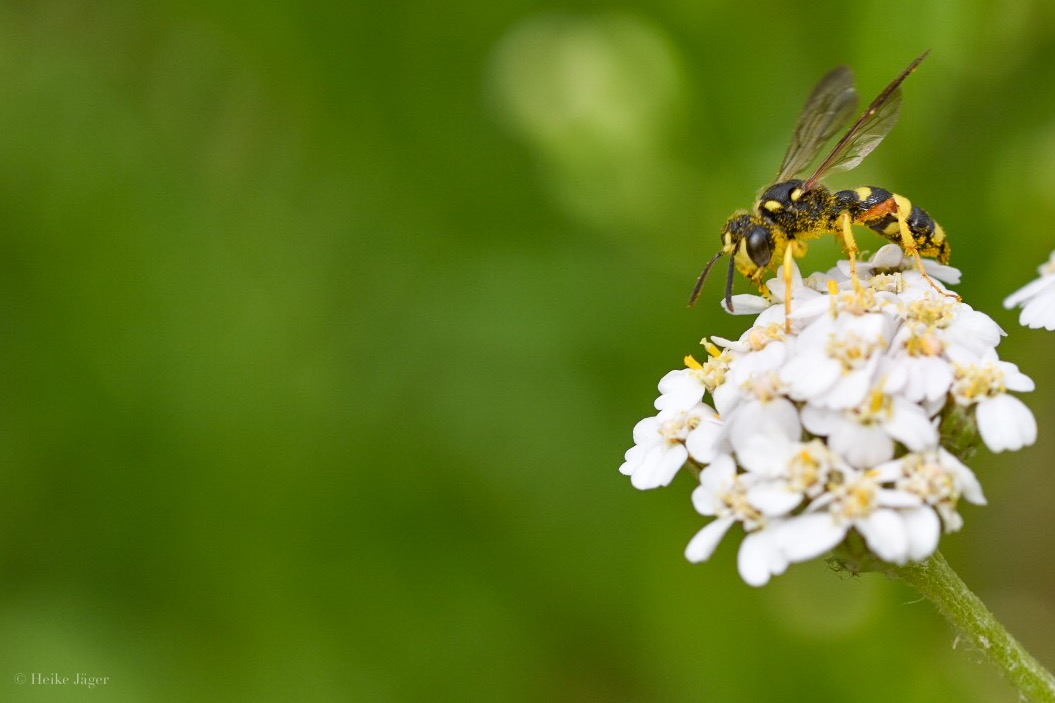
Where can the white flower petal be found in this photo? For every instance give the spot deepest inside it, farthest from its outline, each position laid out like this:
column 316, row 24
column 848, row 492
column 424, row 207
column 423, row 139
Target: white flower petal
column 910, row 425
column 715, row 481
column 863, row 446
column 776, row 417
column 632, row 458
column 893, row 498
column 889, row 256
column 759, row 558
column 888, row 471
column 851, row 388
column 1030, row 290
column 937, row 378
column 767, row 454
column 810, row 375
column 772, row 316
column 702, row 546
column 810, row 535
column 885, row 533
column 942, row 272
column 967, row 483
column 1005, row 423
column 974, row 331
column 726, row 397
column 774, row 498
column 646, row 437
column 812, row 309
column 821, row 421
column 706, row 441
column 647, row 431
column 659, row 466
column 681, row 389
column 765, row 359
column 1039, row 312
column 746, row 304
column 1015, row 380
column 924, row 530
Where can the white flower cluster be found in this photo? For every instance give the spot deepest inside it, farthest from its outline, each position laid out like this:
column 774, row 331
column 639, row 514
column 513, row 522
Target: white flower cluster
column 837, row 426
column 1037, row 298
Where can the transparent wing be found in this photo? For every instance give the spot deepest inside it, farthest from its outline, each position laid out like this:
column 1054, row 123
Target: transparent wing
column 862, row 138
column 868, row 131
column 829, row 107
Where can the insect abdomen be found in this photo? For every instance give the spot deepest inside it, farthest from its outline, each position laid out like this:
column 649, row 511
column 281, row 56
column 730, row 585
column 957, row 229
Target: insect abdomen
column 878, row 209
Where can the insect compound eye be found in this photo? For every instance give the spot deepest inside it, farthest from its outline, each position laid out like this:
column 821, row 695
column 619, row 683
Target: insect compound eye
column 760, row 245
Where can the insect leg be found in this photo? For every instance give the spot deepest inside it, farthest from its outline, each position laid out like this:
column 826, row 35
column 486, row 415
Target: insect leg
column 908, row 243
column 789, row 279
column 846, row 226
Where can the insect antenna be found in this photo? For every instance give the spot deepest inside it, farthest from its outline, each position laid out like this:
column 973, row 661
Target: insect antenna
column 729, row 284
column 702, row 278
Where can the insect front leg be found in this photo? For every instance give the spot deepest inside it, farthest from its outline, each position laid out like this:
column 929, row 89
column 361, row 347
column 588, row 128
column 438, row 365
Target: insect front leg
column 789, row 280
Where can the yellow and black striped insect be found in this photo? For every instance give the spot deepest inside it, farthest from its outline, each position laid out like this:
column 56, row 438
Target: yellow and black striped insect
column 793, row 211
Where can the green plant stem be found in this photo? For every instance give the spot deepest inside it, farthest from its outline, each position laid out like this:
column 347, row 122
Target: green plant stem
column 937, row 581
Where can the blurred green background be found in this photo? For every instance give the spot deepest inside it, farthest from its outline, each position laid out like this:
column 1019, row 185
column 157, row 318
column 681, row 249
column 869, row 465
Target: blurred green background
column 324, row 327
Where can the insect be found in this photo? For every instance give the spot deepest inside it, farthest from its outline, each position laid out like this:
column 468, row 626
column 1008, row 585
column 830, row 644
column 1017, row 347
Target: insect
column 795, row 210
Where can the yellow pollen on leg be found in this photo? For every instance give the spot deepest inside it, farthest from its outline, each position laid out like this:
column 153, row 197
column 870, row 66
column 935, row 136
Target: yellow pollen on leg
column 789, row 280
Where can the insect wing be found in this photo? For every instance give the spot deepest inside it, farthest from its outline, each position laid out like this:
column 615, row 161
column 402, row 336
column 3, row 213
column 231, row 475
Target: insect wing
column 848, row 153
column 829, row 107
column 868, row 131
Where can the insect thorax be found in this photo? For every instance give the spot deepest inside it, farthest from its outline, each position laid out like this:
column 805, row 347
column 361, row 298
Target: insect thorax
column 797, row 212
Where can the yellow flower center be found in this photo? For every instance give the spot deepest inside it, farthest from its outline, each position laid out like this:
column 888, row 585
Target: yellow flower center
column 928, row 479
column 924, row 342
column 852, row 350
column 809, row 467
column 930, row 311
column 975, row 381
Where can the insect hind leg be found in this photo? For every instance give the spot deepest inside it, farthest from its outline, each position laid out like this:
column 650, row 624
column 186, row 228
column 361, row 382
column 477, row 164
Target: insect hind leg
column 908, row 242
